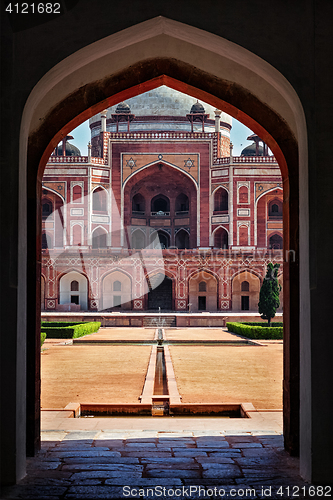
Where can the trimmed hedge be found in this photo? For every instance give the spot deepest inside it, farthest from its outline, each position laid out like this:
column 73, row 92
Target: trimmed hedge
column 254, row 331
column 260, row 323
column 72, row 331
column 42, row 338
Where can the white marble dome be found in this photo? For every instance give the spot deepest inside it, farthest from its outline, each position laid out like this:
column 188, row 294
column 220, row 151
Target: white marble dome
column 162, row 101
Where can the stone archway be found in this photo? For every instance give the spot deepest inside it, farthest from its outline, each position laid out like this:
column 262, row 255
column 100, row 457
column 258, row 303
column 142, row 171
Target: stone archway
column 160, row 293
column 280, row 123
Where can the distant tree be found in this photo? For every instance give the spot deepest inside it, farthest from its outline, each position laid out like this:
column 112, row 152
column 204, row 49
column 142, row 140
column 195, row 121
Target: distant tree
column 269, row 293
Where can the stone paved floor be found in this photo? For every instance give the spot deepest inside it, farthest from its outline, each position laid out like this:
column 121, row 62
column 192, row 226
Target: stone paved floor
column 188, row 464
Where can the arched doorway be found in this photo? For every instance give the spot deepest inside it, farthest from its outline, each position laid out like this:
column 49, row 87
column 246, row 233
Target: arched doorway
column 182, row 239
column 160, row 292
column 73, row 287
column 220, row 238
column 251, row 104
column 203, row 292
column 245, row 292
column 116, row 291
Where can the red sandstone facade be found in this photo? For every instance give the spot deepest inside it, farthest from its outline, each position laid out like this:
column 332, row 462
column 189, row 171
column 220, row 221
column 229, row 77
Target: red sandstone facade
column 159, row 218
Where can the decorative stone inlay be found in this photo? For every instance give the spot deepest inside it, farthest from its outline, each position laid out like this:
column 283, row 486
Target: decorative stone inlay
column 181, row 304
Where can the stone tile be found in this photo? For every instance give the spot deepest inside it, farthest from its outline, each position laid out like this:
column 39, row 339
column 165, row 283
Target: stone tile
column 101, row 460
column 174, row 444
column 211, row 439
column 145, row 481
column 173, row 473
column 257, row 452
column 67, row 448
column 189, row 453
column 147, row 454
column 85, row 454
column 171, row 460
column 168, row 465
column 93, row 492
column 44, row 465
column 46, row 481
column 214, row 447
column 102, row 467
column 218, row 465
column 35, row 492
column 246, row 445
column 217, row 460
column 227, row 453
column 108, row 443
column 140, row 440
column 139, row 445
column 93, row 474
column 230, row 472
column 253, row 461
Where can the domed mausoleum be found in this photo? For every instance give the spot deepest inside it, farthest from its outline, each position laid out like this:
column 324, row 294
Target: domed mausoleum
column 160, row 214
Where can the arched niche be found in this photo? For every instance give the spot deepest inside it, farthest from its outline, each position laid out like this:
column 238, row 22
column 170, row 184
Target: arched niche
column 160, row 293
column 220, row 200
column 160, row 204
column 100, row 200
column 203, row 292
column 182, row 204
column 221, row 238
column 160, row 239
column 99, row 238
column 138, row 204
column 275, row 242
column 116, row 291
column 182, row 239
column 67, row 293
column 243, row 299
column 138, row 239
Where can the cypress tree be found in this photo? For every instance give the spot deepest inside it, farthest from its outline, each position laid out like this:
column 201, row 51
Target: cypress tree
column 269, row 293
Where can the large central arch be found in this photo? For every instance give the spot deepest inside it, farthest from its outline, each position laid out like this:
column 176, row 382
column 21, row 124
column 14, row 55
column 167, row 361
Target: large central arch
column 164, row 52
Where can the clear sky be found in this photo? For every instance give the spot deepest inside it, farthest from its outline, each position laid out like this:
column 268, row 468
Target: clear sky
column 239, row 133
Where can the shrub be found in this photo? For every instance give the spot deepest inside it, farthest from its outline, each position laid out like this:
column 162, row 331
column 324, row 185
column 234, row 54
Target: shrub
column 269, row 293
column 42, row 338
column 71, row 331
column 256, row 331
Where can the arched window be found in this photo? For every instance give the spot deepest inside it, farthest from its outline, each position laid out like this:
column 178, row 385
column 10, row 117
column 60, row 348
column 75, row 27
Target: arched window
column 160, row 240
column 47, row 208
column 243, row 194
column 245, row 286
column 275, row 209
column 77, row 194
column 182, row 203
column 99, row 200
column 160, row 203
column 99, row 238
column 138, row 203
column 221, row 238
column 117, row 286
column 202, row 286
column 74, row 286
column 138, row 239
column 220, row 200
column 182, row 239
column 276, row 242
